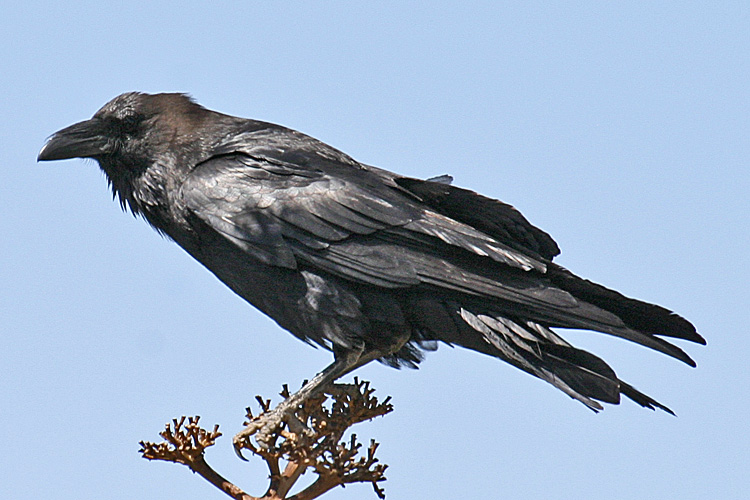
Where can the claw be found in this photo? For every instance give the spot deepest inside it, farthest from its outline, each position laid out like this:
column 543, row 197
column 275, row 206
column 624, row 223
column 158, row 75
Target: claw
column 265, row 428
column 238, row 445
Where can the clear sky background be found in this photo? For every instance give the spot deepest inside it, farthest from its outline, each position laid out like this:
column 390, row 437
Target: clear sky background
column 622, row 128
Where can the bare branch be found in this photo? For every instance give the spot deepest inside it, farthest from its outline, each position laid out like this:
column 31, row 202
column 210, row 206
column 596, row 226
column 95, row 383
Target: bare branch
column 312, row 440
column 186, row 445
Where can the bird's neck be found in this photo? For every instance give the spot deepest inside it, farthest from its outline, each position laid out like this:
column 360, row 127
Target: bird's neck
column 146, row 191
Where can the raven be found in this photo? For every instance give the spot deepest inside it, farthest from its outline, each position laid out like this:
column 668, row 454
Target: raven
column 367, row 263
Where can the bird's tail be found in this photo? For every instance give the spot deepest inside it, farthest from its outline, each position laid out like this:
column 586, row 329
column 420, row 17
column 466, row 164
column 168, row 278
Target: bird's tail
column 520, row 332
column 541, row 352
column 647, row 319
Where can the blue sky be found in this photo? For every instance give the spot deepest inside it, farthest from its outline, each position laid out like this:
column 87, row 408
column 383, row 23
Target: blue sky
column 620, row 128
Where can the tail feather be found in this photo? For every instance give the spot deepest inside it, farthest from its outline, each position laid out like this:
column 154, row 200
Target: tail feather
column 587, row 382
column 643, row 317
column 539, row 351
column 582, row 371
column 642, row 399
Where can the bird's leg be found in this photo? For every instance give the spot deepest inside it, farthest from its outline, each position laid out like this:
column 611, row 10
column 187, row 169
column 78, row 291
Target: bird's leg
column 265, row 425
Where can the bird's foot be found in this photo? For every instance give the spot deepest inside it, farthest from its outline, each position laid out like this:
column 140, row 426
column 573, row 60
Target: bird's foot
column 267, row 427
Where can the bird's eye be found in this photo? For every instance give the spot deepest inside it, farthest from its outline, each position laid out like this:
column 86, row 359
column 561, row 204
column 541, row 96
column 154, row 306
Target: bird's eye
column 129, row 124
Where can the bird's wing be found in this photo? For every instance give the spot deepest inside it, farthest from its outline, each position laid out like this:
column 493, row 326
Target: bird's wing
column 282, row 209
column 495, row 218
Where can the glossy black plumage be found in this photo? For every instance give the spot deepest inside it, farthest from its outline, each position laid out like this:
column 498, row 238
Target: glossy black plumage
column 367, row 263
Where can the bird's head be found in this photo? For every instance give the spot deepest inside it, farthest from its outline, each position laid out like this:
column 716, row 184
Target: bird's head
column 131, row 130
column 136, row 134
column 142, row 142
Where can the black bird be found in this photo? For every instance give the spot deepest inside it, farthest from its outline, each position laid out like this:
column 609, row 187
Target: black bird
column 364, row 262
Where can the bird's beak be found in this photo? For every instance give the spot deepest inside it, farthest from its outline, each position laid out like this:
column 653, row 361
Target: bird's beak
column 82, row 140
